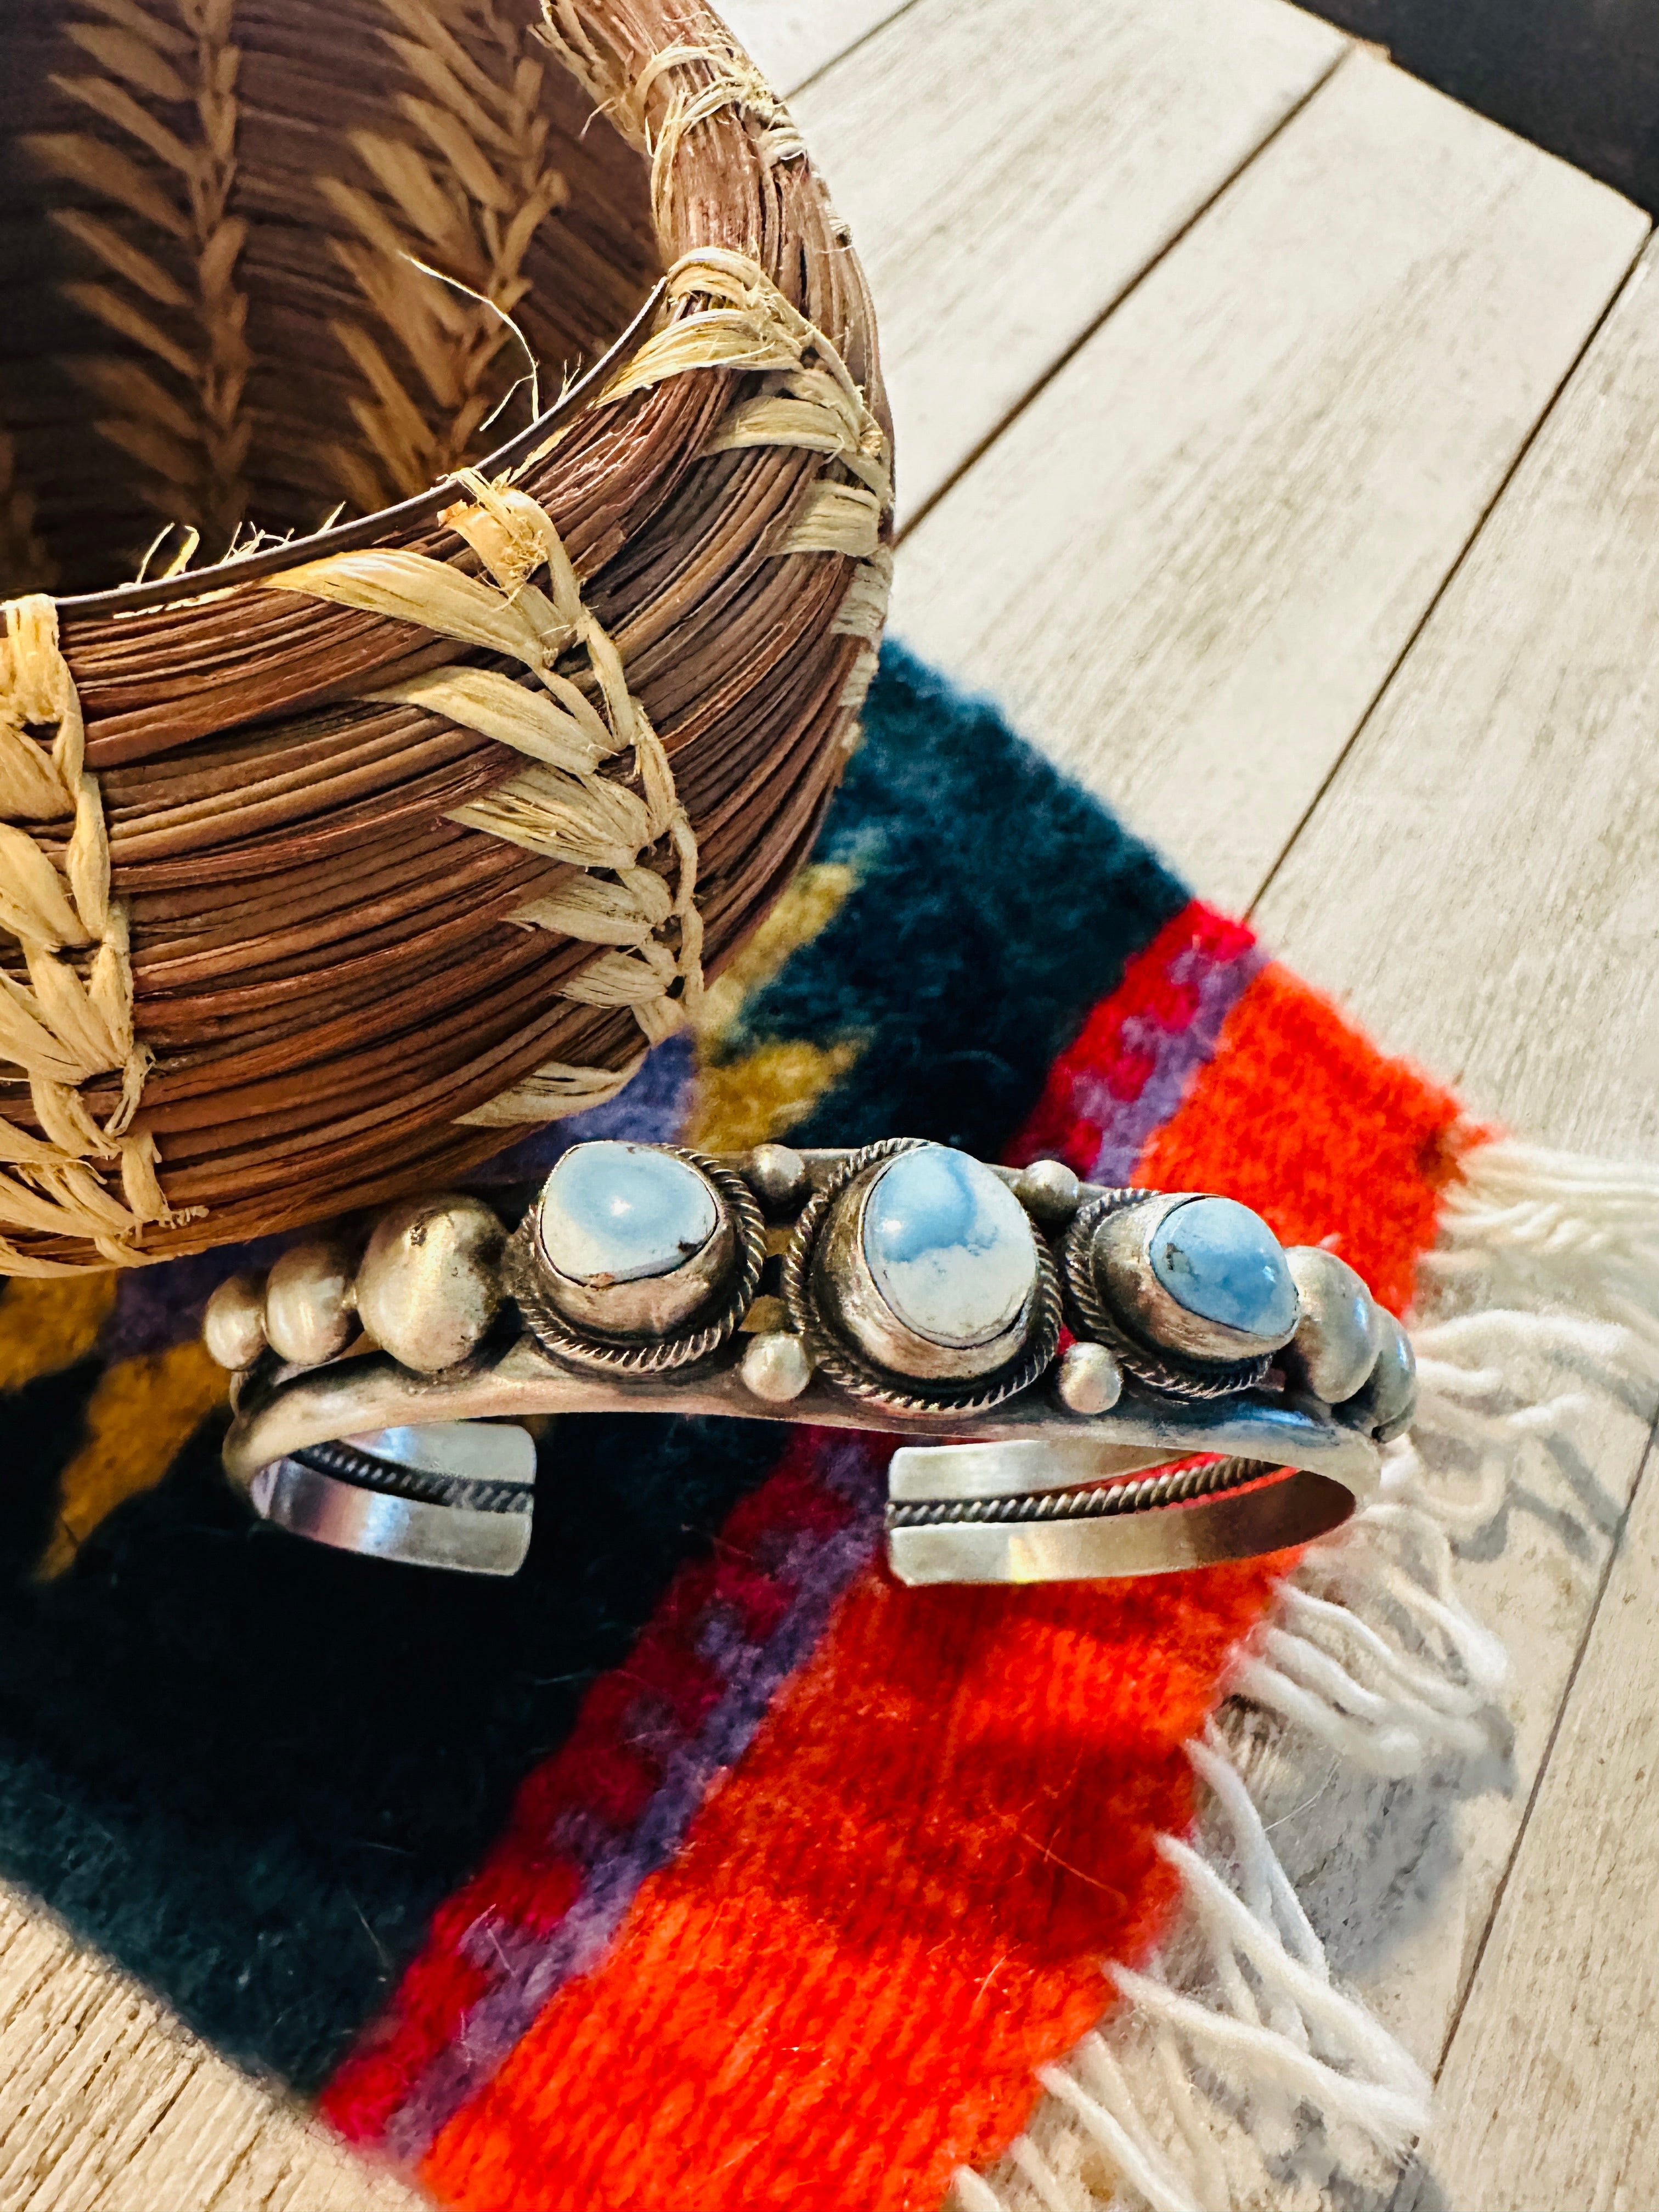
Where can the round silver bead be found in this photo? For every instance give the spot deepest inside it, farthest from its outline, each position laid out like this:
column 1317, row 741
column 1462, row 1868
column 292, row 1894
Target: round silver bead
column 777, row 1176
column 234, row 1325
column 1341, row 1331
column 308, row 1302
column 428, row 1287
column 776, row 1367
column 1048, row 1191
column 1091, row 1380
column 1389, row 1400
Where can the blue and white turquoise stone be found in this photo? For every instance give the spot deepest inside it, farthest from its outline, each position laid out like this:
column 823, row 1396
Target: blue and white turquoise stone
column 1221, row 1262
column 611, row 1213
column 949, row 1247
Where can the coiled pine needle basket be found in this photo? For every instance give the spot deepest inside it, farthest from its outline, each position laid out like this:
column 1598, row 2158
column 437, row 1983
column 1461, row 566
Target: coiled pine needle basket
column 466, row 726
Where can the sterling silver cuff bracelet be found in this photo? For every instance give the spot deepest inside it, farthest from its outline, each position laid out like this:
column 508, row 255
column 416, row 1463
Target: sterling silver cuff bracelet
column 901, row 1287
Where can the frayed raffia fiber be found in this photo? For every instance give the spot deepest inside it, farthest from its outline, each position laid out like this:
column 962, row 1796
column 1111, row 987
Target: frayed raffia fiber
column 1235, row 2063
column 563, row 807
column 402, row 866
column 707, row 75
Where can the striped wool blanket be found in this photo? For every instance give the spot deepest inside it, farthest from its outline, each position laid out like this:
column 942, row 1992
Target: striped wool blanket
column 701, row 1866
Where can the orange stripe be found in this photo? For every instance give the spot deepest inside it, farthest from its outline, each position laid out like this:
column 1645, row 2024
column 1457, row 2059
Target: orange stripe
column 897, row 1906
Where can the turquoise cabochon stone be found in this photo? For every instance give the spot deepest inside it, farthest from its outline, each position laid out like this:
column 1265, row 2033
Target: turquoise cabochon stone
column 1223, row 1263
column 623, row 1212
column 948, row 1247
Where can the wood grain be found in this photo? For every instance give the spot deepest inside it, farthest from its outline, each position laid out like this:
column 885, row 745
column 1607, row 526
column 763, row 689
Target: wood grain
column 793, row 40
column 1482, row 878
column 1546, row 2097
column 1190, row 564
column 108, row 2105
column 1481, row 882
column 1008, row 170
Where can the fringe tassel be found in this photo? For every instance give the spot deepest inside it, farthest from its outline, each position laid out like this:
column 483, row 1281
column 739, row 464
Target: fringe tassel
column 1555, row 1227
column 1233, row 2046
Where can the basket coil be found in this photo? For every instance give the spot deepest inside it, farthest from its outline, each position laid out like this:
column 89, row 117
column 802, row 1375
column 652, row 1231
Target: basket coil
column 327, row 868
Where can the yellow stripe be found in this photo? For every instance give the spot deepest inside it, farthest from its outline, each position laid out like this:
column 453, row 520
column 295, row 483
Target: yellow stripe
column 807, row 908
column 755, row 1099
column 140, row 1417
column 46, row 1325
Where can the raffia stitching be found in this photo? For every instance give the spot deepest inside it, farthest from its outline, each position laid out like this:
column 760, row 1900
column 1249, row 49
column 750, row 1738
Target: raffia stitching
column 734, row 83
column 561, row 807
column 811, row 399
column 72, row 1019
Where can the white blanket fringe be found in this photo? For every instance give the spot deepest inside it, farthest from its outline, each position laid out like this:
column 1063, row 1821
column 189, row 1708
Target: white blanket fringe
column 1547, row 1263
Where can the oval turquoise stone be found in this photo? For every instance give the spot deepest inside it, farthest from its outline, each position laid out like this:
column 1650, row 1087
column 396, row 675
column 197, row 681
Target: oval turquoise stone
column 611, row 1213
column 1222, row 1262
column 948, row 1247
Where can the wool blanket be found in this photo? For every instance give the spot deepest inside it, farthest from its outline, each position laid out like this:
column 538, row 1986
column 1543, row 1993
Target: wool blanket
column 701, row 1866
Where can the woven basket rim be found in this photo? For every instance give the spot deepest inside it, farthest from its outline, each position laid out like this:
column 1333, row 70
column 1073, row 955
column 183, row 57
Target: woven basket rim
column 369, row 529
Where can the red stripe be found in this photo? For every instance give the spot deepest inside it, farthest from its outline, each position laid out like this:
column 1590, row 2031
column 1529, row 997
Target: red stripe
column 1110, row 1051
column 603, row 1772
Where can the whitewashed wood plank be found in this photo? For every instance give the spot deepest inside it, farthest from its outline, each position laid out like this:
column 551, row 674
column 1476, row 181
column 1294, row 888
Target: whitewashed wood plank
column 1482, row 877
column 1481, row 883
column 107, row 2104
column 1547, row 2098
column 1007, row 169
column 793, row 40
column 1189, row 565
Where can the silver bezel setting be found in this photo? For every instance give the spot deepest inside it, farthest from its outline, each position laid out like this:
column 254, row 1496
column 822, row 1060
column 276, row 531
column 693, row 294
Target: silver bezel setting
column 1168, row 1365
column 824, row 1267
column 726, row 1270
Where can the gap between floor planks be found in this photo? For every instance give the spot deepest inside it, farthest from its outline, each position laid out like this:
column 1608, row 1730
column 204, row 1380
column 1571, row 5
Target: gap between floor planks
column 1080, row 315
column 114, row 2105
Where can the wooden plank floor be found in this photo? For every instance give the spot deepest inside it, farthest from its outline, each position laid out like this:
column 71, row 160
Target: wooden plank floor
column 1321, row 548
column 1190, row 564
column 1517, row 737
column 1083, row 139
column 1278, row 441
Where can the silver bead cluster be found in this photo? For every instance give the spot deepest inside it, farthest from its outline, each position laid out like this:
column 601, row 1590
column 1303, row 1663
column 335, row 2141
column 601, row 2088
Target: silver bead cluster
column 1333, row 1343
column 426, row 1289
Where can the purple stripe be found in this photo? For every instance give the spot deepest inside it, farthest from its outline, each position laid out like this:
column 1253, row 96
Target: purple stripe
column 1128, row 1126
column 527, row 1967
